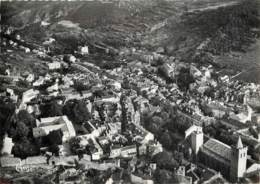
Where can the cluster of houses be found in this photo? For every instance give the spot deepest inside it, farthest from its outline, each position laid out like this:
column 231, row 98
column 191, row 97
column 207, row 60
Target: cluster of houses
column 116, row 100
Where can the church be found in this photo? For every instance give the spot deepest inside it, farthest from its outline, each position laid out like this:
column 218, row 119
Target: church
column 230, row 161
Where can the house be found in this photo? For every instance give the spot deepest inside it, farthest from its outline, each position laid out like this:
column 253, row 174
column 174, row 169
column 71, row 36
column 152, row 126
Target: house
column 84, row 50
column 217, row 178
column 243, row 117
column 147, row 137
column 129, row 151
column 49, row 41
column 103, row 140
column 256, row 118
column 44, row 23
column 253, row 172
column 7, row 161
column 27, row 50
column 138, row 180
column 72, row 59
column 30, row 78
column 108, row 99
column 54, row 65
column 67, row 160
column 39, row 82
column 64, row 149
column 97, row 154
column 252, row 133
column 115, row 151
column 29, row 95
column 35, row 160
column 12, row 95
column 53, row 88
column 7, row 145
column 46, row 125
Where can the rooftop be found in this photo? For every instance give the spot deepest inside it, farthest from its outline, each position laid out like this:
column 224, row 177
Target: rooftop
column 218, row 149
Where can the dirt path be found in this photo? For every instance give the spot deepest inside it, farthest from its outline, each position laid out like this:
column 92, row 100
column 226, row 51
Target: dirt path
column 212, row 7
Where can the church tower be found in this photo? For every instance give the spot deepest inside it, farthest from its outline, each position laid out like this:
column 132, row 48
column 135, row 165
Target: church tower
column 238, row 161
column 196, row 140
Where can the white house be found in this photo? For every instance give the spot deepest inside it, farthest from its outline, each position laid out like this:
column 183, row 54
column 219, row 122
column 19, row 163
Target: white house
column 46, row 125
column 7, row 145
column 72, row 59
column 30, row 78
column 54, row 65
column 29, row 95
column 39, row 82
column 84, row 50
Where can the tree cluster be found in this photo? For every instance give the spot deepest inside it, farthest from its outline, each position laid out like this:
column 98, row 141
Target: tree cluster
column 77, row 111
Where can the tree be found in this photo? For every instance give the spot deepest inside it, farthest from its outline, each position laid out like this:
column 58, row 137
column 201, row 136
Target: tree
column 79, row 86
column 21, row 130
column 7, row 109
column 165, row 160
column 76, row 111
column 54, row 148
column 166, row 140
column 24, row 149
column 124, row 113
column 162, row 176
column 184, row 79
column 51, row 109
column 23, row 84
column 55, row 137
column 74, row 143
column 26, row 118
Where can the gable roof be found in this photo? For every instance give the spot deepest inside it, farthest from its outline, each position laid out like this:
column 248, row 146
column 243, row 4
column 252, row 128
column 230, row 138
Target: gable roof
column 217, row 148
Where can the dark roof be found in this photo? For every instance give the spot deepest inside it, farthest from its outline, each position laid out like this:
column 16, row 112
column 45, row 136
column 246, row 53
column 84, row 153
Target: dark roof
column 217, row 149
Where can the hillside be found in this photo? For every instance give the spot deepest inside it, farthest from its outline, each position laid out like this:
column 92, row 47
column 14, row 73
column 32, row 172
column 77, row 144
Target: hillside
column 206, row 32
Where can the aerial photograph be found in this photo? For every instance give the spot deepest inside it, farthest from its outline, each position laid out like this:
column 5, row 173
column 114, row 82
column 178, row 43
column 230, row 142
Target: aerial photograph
column 130, row 92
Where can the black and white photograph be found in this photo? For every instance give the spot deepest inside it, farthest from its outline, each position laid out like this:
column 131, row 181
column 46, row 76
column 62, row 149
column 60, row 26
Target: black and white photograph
column 130, row 92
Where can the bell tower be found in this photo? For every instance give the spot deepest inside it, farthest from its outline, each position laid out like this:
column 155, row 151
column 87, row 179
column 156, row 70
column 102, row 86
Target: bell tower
column 238, row 161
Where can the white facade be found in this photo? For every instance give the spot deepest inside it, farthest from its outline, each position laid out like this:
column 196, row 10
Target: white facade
column 196, row 141
column 7, row 145
column 46, row 125
column 238, row 161
column 84, row 50
column 29, row 95
column 54, row 65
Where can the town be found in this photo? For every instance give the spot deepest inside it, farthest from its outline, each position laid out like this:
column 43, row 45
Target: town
column 153, row 119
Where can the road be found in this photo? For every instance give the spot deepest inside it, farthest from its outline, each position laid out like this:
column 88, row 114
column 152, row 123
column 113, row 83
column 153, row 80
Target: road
column 212, row 7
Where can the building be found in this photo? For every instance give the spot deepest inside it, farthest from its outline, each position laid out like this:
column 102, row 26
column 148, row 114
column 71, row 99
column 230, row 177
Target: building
column 35, row 160
column 39, row 82
column 7, row 146
column 243, row 117
column 7, row 161
column 29, row 95
column 192, row 129
column 230, row 161
column 129, row 151
column 238, row 161
column 84, row 50
column 67, row 160
column 256, row 118
column 253, row 173
column 196, row 139
column 115, row 151
column 54, row 65
column 46, row 125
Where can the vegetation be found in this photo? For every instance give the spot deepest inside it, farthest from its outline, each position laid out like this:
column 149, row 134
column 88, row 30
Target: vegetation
column 51, row 109
column 184, row 79
column 76, row 111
